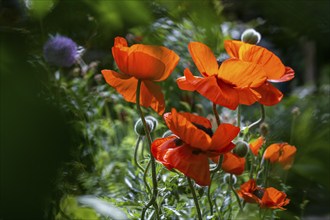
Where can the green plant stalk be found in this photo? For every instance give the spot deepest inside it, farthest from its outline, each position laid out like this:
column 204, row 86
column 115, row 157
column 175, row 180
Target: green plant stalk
column 292, row 129
column 152, row 159
column 209, row 195
column 235, row 193
column 195, row 198
column 136, row 154
column 145, row 177
column 216, row 114
column 261, row 119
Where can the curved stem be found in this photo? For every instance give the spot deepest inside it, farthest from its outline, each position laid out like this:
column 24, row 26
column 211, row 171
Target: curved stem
column 235, row 193
column 145, row 177
column 195, row 198
column 152, row 159
column 136, row 153
column 217, row 168
column 216, row 114
column 261, row 119
column 209, row 195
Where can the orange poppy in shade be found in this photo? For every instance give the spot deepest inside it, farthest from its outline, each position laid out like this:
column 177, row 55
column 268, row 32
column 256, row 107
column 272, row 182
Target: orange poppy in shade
column 141, row 62
column 242, row 79
column 233, row 164
column 265, row 197
column 282, row 153
column 192, row 144
column 256, row 145
column 274, row 199
column 250, row 192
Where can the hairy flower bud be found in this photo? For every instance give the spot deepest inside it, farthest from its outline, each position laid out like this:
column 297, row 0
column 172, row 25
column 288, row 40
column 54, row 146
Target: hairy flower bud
column 60, row 51
column 151, row 124
column 241, row 149
column 264, row 128
column 251, row 36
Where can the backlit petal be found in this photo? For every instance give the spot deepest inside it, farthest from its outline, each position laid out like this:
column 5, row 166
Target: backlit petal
column 256, row 145
column 159, row 148
column 288, row 75
column 233, row 164
column 204, row 58
column 272, row 153
column 151, row 95
column 222, row 137
column 274, row 199
column 241, row 74
column 215, row 90
column 186, row 131
column 287, row 156
column 270, row 95
column 195, row 166
column 184, row 84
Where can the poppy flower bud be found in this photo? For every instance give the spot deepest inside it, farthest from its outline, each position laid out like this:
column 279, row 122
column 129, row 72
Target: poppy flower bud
column 60, row 51
column 167, row 133
column 264, row 128
column 241, row 149
column 251, row 36
column 139, row 128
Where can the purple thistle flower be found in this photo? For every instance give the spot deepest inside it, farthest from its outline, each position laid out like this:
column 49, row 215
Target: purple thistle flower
column 60, row 51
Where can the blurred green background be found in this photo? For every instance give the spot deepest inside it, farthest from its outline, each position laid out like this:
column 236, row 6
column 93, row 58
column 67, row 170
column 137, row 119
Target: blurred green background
column 65, row 138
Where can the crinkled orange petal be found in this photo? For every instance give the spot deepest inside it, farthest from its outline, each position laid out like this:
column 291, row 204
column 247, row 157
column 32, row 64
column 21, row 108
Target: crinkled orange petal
column 204, row 58
column 195, row 166
column 186, row 131
column 256, row 145
column 241, row 74
column 246, row 191
column 233, row 164
column 288, row 75
column 184, row 84
column 271, row 64
column 213, row 89
column 196, row 119
column 222, row 137
column 287, row 156
column 270, row 95
column 248, row 96
column 159, row 148
column 272, row 153
column 120, row 42
column 274, row 199
column 120, row 52
column 150, row 96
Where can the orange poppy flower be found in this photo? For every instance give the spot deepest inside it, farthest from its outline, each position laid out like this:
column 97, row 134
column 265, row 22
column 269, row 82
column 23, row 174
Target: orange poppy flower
column 274, row 199
column 141, row 62
column 250, row 192
column 192, row 144
column 256, row 145
column 242, row 79
column 265, row 197
column 282, row 153
column 233, row 164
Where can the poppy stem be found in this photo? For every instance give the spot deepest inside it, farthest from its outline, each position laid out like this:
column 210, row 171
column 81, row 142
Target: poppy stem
column 152, row 159
column 216, row 114
column 136, row 153
column 235, row 193
column 261, row 119
column 209, row 195
column 239, row 116
column 217, row 168
column 195, row 198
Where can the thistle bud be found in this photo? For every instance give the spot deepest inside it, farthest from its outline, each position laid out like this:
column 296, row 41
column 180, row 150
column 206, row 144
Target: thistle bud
column 251, row 36
column 241, row 149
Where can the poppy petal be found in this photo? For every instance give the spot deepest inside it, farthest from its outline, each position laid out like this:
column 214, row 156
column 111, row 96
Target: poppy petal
column 272, row 153
column 241, row 74
column 287, row 156
column 120, row 54
column 203, row 58
column 256, row 145
column 270, row 95
column 271, row 64
column 159, row 148
column 151, row 95
column 195, row 166
column 186, row 131
column 232, row 47
column 215, row 90
column 233, row 164
column 196, row 119
column 274, row 199
column 248, row 96
column 222, row 137
column 288, row 75
column 184, row 84
column 246, row 191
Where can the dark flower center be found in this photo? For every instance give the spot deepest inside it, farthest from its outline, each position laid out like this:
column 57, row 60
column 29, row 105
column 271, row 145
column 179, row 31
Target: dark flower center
column 259, row 193
column 178, row 142
column 206, row 130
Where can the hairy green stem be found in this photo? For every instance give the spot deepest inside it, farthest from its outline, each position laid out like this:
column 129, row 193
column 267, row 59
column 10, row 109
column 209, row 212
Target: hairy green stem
column 136, row 154
column 261, row 119
column 235, row 193
column 152, row 159
column 195, row 198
